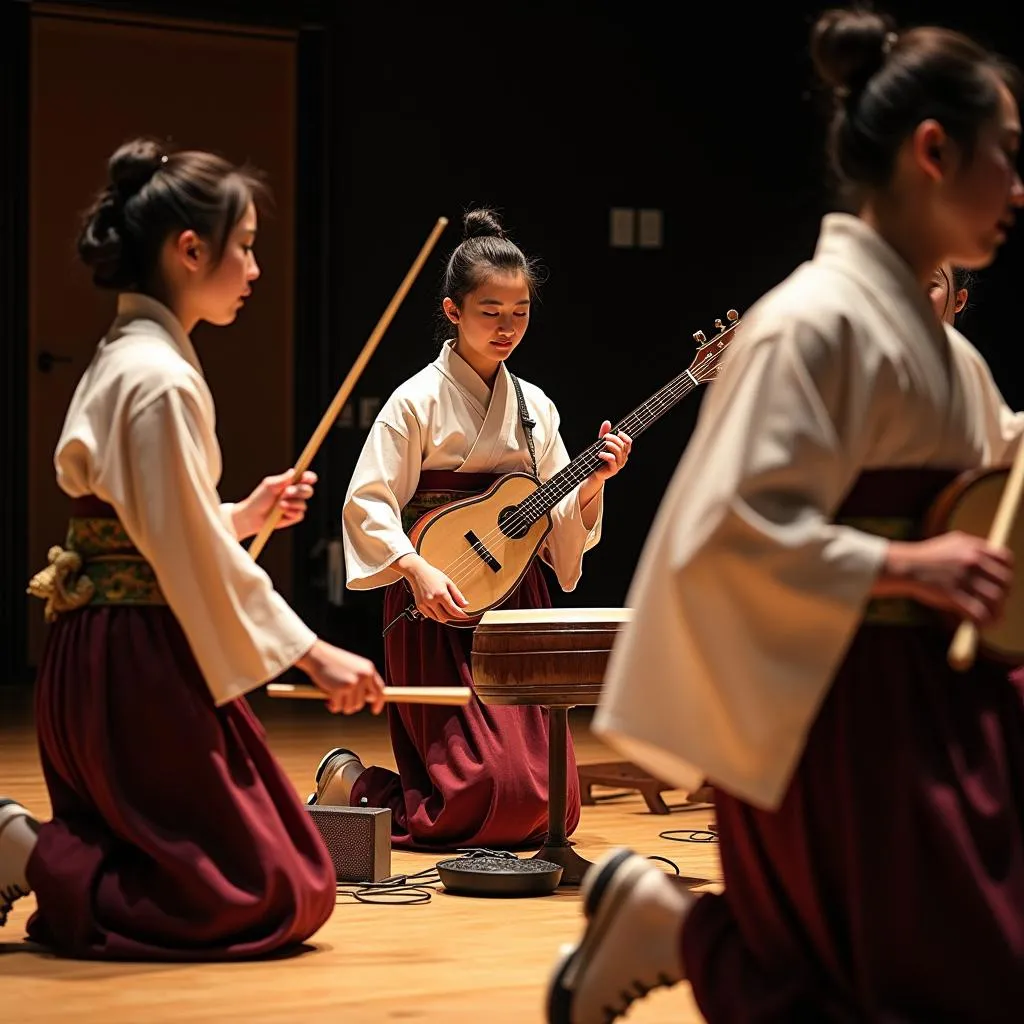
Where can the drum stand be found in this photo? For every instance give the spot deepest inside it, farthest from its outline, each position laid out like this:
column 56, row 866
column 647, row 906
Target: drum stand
column 553, row 658
column 557, row 847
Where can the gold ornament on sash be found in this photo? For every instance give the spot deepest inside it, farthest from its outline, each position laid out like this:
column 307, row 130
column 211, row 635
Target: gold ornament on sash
column 54, row 583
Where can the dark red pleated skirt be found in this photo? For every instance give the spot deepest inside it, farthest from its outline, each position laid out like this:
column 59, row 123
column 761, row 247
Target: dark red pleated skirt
column 175, row 834
column 889, row 886
column 467, row 776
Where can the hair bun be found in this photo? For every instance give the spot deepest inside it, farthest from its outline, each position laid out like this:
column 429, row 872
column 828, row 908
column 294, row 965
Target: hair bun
column 849, row 46
column 482, row 223
column 133, row 164
column 104, row 242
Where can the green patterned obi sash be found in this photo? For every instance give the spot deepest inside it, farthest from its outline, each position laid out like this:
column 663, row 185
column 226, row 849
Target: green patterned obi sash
column 439, row 487
column 894, row 502
column 98, row 565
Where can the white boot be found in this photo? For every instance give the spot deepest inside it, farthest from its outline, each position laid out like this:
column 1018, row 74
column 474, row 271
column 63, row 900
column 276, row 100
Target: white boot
column 335, row 776
column 18, row 830
column 631, row 943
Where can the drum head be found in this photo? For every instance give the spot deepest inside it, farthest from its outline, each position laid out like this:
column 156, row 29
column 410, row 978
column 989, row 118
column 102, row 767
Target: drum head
column 582, row 617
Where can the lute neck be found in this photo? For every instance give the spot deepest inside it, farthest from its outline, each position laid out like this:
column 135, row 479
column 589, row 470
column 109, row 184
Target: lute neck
column 552, row 491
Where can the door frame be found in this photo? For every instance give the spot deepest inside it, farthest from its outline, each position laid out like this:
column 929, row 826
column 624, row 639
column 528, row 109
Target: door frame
column 313, row 22
column 14, row 163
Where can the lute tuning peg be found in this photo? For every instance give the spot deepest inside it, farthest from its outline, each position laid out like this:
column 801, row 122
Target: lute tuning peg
column 701, row 338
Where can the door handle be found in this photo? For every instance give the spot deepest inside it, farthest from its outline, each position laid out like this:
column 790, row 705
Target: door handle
column 45, row 360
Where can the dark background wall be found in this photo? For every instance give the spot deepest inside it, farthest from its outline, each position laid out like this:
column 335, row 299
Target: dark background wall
column 554, row 113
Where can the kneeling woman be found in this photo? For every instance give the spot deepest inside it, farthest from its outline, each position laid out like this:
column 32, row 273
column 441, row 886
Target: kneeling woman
column 175, row 833
column 473, row 776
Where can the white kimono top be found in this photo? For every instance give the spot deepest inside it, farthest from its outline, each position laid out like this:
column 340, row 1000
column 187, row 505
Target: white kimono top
column 446, row 418
column 139, row 434
column 747, row 594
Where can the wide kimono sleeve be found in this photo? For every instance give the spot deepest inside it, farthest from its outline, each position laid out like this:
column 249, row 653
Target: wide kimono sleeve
column 241, row 631
column 569, row 538
column 747, row 595
column 384, row 479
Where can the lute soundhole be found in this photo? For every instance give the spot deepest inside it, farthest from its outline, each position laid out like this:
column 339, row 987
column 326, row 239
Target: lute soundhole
column 513, row 523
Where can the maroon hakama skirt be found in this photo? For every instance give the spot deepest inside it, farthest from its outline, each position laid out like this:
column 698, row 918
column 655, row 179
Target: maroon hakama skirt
column 472, row 776
column 175, row 834
column 889, row 885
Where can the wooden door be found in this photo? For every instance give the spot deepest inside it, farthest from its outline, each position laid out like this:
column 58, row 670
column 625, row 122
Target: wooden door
column 97, row 80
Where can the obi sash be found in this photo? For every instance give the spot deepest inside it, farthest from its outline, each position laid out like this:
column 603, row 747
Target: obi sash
column 439, row 487
column 893, row 503
column 98, row 565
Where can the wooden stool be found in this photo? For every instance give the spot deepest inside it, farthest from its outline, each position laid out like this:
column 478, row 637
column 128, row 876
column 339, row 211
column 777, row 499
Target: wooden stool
column 622, row 775
column 625, row 775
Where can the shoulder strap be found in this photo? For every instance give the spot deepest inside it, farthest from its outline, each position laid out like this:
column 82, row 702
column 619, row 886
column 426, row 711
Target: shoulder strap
column 528, row 424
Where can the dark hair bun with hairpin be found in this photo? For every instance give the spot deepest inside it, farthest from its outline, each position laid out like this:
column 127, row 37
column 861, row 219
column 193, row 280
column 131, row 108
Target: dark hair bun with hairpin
column 134, row 164
column 848, row 47
column 152, row 195
column 104, row 243
column 482, row 224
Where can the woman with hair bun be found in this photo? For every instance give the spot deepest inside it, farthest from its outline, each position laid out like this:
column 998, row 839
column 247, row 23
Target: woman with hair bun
column 478, row 775
column 175, row 833
column 789, row 638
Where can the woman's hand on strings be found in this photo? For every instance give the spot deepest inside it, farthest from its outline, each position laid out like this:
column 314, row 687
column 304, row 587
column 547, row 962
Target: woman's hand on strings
column 613, row 456
column 251, row 513
column 350, row 681
column 615, row 453
column 436, row 596
column 954, row 572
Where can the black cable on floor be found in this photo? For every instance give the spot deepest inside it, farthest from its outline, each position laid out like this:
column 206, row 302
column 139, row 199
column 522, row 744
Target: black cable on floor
column 398, row 890
column 689, row 835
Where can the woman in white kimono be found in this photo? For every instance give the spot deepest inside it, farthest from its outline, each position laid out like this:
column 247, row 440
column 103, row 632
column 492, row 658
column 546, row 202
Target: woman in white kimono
column 473, row 776
column 175, row 834
column 948, row 292
column 788, row 638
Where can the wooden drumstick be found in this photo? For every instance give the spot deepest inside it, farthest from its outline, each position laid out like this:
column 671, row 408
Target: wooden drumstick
column 964, row 647
column 453, row 695
column 260, row 540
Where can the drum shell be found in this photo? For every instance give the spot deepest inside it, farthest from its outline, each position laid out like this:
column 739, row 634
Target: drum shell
column 557, row 662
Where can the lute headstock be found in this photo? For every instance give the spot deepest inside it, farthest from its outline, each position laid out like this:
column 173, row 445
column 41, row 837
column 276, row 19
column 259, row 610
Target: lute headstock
column 706, row 362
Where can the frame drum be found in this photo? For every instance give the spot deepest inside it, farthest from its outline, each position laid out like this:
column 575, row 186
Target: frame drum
column 969, row 504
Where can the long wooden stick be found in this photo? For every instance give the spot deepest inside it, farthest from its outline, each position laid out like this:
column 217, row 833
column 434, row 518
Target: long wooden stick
column 964, row 647
column 453, row 695
column 333, row 410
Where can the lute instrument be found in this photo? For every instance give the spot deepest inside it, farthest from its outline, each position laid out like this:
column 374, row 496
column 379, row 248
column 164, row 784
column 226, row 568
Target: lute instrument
column 485, row 544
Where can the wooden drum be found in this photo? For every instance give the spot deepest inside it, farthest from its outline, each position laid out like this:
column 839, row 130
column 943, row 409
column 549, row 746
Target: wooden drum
column 550, row 656
column 554, row 657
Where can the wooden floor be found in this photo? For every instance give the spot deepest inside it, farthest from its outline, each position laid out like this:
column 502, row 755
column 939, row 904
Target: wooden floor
column 453, row 959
